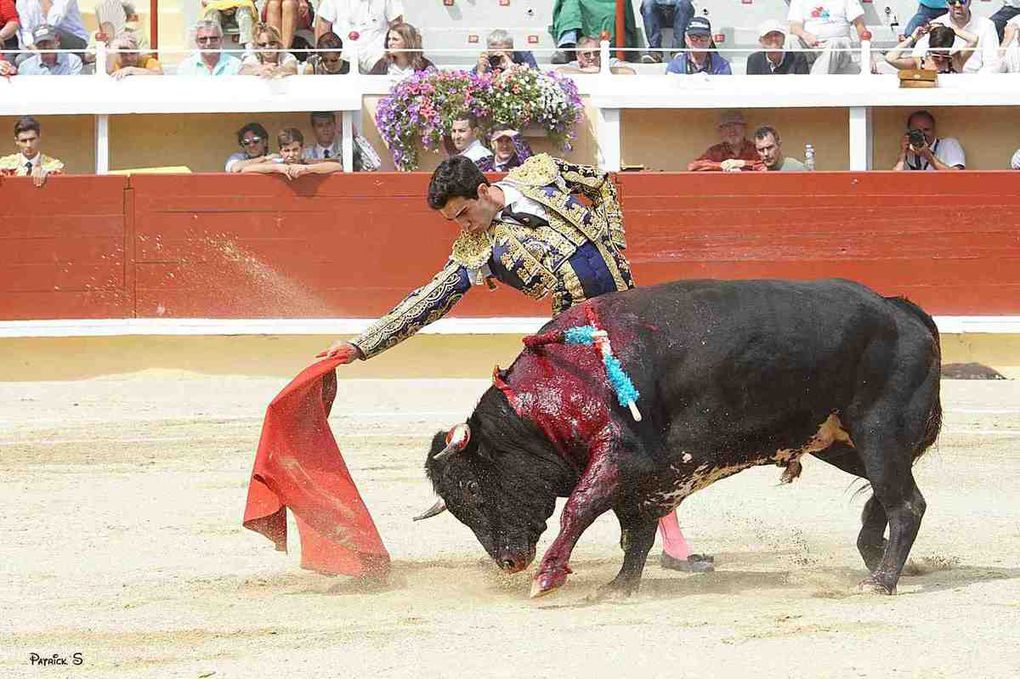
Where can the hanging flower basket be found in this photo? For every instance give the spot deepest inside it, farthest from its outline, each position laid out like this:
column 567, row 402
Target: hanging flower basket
column 419, row 110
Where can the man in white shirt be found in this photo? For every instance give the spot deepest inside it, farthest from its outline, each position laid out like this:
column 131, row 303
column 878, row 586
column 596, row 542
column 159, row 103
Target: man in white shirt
column 62, row 15
column 985, row 58
column 825, row 25
column 47, row 61
column 463, row 133
column 921, row 150
column 327, row 141
column 363, row 23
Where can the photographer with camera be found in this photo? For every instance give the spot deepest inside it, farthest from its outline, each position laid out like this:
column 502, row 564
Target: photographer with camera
column 500, row 55
column 921, row 150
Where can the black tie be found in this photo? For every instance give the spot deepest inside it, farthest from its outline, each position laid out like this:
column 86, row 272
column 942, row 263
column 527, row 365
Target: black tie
column 325, row 154
column 28, row 167
column 523, row 218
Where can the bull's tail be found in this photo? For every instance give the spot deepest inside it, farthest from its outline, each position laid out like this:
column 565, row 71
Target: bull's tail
column 933, row 423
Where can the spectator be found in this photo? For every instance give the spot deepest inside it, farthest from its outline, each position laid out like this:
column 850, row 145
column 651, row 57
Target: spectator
column 699, row 59
column 1009, row 51
column 291, row 162
column 734, row 152
column 920, row 149
column 268, row 61
column 328, row 58
column 1009, row 9
column 986, row 57
column 288, row 17
column 827, row 27
column 403, row 53
column 770, row 152
column 1014, row 163
column 243, row 13
column 775, row 60
column 575, row 18
column 464, row 140
column 328, row 144
column 366, row 22
column 126, row 60
column 8, row 26
column 209, row 59
column 29, row 161
column 254, row 142
column 659, row 13
column 939, row 56
column 501, row 55
column 589, row 59
column 61, row 16
column 926, row 11
column 46, row 61
column 510, row 150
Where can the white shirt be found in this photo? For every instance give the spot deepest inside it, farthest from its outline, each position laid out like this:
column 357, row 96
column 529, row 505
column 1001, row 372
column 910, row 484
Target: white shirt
column 825, row 19
column 34, row 160
column 1014, row 163
column 986, row 55
column 370, row 19
column 63, row 14
column 317, row 152
column 476, row 151
column 947, row 150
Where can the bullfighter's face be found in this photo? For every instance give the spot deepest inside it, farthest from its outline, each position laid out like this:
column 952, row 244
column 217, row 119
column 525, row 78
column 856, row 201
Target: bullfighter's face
column 488, row 499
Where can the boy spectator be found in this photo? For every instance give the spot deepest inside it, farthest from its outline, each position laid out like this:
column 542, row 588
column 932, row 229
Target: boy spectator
column 29, row 161
column 61, row 16
column 827, row 27
column 465, row 142
column 510, row 150
column 770, row 151
column 589, row 60
column 985, row 58
column 658, row 13
column 125, row 59
column 921, row 150
column 775, row 60
column 254, row 142
column 209, row 59
column 46, row 61
column 735, row 152
column 8, row 26
column 291, row 163
column 364, row 22
column 699, row 59
column 501, row 55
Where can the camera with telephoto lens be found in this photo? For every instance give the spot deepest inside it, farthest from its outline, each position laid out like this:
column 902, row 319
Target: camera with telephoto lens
column 495, row 61
column 916, row 138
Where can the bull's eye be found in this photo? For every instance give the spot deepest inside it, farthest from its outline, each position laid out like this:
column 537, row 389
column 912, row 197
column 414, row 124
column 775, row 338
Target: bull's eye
column 471, row 489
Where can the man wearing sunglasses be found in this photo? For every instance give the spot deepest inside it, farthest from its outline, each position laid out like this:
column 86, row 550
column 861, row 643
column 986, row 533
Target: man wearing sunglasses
column 985, row 58
column 254, row 142
column 209, row 59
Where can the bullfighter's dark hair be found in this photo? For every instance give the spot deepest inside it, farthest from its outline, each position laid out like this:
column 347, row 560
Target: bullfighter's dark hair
column 254, row 128
column 766, row 130
column 26, row 124
column 457, row 176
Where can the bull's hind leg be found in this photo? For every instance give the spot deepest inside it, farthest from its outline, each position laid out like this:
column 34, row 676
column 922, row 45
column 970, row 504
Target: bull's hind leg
column 871, row 541
column 637, row 535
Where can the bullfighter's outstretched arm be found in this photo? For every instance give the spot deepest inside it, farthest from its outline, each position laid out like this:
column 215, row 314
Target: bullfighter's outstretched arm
column 428, row 303
column 598, row 186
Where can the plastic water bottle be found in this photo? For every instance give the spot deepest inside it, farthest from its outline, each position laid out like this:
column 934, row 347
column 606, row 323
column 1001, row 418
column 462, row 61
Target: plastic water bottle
column 809, row 157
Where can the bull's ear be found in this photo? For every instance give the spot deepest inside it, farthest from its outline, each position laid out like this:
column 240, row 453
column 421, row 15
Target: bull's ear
column 456, row 440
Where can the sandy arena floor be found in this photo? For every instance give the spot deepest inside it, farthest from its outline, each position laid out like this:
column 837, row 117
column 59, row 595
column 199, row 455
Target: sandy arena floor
column 121, row 540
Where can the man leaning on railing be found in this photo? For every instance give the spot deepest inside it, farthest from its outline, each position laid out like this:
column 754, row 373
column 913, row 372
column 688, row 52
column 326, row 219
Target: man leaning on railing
column 209, row 59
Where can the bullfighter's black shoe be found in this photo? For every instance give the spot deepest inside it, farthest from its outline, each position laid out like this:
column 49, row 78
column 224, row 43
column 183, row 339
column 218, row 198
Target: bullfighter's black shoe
column 695, row 563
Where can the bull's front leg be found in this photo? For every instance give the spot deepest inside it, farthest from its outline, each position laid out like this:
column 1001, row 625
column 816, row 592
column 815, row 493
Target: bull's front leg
column 594, row 494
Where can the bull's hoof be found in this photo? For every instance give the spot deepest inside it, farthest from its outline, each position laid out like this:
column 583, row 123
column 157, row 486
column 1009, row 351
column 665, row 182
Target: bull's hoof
column 544, row 583
column 872, row 585
column 614, row 591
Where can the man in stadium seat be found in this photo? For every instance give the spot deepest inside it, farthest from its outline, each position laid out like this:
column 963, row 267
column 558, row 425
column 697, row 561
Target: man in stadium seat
column 363, row 23
column 61, row 16
column 47, row 62
column 127, row 60
column 733, row 153
column 985, row 58
column 775, row 60
column 29, row 161
column 464, row 140
column 291, row 162
column 926, row 151
column 573, row 19
column 926, row 11
column 254, row 142
column 501, row 55
column 827, row 28
column 769, row 147
column 658, row 13
column 702, row 57
column 1009, row 9
column 509, row 150
column 589, row 60
column 209, row 59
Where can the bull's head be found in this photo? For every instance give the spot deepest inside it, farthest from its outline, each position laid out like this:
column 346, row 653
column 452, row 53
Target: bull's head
column 502, row 493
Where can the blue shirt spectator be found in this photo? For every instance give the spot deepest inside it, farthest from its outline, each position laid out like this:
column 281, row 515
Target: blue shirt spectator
column 48, row 62
column 209, row 59
column 698, row 58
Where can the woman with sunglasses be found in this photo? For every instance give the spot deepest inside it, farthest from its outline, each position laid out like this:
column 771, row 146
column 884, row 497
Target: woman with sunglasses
column 403, row 53
column 268, row 60
column 328, row 58
column 254, row 142
column 941, row 55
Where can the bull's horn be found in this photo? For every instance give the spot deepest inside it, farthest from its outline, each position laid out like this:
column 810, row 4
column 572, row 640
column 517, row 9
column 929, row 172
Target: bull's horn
column 456, row 439
column 437, row 508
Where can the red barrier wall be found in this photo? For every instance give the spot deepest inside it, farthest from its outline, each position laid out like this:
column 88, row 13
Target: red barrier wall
column 221, row 246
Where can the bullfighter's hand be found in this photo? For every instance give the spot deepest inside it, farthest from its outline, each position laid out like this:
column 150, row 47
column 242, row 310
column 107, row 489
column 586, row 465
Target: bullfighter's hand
column 345, row 351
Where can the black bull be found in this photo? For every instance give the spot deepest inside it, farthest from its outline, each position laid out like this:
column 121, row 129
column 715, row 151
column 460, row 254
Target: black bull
column 732, row 374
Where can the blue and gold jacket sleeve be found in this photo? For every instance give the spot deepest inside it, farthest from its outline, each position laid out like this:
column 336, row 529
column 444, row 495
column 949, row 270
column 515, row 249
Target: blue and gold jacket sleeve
column 598, row 187
column 425, row 305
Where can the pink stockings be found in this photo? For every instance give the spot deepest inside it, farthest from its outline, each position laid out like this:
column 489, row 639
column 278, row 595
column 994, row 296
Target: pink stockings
column 673, row 542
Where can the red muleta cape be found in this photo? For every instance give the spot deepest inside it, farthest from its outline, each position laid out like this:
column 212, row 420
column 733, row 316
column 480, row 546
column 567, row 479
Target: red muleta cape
column 298, row 465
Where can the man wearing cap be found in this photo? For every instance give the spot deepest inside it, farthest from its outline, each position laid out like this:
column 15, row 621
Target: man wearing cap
column 699, row 59
column 775, row 60
column 46, row 62
column 509, row 150
column 824, row 26
column 60, row 16
column 29, row 161
column 734, row 153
